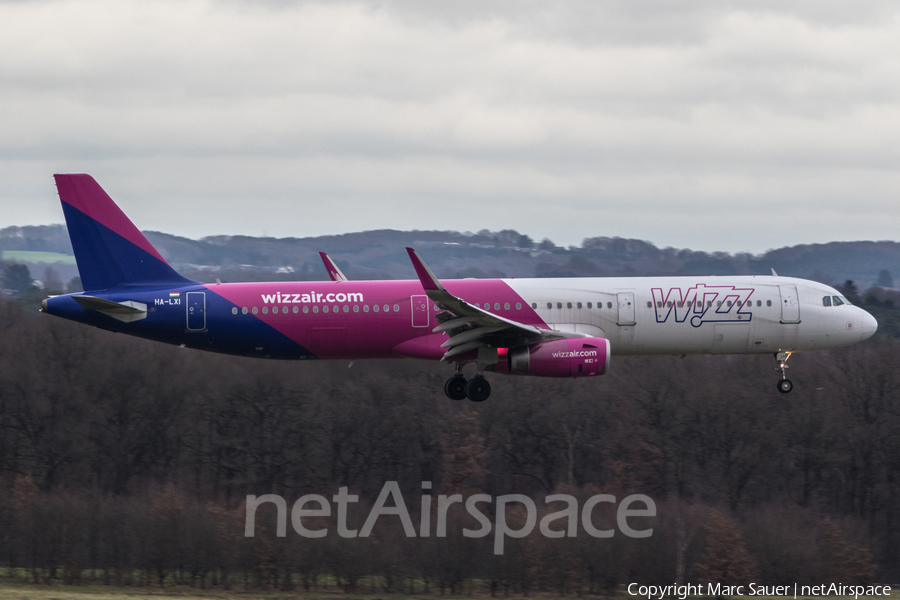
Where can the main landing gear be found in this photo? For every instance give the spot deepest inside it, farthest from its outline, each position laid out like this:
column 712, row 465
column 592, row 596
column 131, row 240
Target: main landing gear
column 784, row 384
column 476, row 389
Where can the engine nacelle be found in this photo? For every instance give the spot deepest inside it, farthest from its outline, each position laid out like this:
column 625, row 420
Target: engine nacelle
column 571, row 357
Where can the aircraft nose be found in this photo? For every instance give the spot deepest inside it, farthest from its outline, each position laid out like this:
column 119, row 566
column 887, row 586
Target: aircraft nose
column 869, row 325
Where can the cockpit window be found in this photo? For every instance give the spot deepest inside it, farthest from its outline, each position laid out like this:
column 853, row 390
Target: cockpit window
column 826, row 301
column 839, row 300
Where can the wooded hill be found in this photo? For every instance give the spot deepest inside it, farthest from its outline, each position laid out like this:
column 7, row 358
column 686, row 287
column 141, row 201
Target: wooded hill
column 381, row 255
column 128, row 462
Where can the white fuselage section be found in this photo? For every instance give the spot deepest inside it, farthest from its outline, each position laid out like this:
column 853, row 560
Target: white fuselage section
column 699, row 315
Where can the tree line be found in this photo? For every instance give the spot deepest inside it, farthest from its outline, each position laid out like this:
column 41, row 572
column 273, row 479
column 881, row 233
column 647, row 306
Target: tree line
column 129, row 462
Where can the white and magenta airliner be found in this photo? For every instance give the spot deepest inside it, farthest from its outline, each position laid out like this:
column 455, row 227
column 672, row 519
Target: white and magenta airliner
column 567, row 327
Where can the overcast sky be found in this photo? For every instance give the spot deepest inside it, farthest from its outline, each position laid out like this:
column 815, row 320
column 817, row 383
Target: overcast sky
column 704, row 125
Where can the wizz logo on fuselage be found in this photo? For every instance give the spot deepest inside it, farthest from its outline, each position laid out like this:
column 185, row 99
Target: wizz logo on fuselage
column 703, row 304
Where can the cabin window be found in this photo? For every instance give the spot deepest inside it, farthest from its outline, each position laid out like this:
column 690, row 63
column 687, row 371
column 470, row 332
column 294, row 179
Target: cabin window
column 305, row 309
column 549, row 305
column 659, row 304
column 255, row 310
column 346, row 308
column 759, row 302
column 718, row 304
column 609, row 305
column 324, row 309
column 365, row 308
column 669, row 304
column 496, row 306
column 296, row 309
column 518, row 306
column 234, row 310
column 265, row 310
column 589, row 305
column 355, row 308
column 649, row 304
column 768, row 303
column 244, row 311
column 568, row 305
column 730, row 303
column 396, row 308
column 506, row 306
column 315, row 309
column 376, row 308
column 284, row 309
column 387, row 308
column 578, row 305
column 559, row 305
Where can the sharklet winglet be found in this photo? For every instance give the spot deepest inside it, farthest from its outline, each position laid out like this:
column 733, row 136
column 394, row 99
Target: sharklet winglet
column 333, row 271
column 429, row 281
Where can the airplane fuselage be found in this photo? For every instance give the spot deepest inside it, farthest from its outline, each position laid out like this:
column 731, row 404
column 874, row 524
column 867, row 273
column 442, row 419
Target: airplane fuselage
column 387, row 319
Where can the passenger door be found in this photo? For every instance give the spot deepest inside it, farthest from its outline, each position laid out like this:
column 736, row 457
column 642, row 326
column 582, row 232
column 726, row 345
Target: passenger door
column 196, row 311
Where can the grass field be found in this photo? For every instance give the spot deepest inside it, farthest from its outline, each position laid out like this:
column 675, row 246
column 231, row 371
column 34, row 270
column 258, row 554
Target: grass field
column 28, row 591
column 37, row 257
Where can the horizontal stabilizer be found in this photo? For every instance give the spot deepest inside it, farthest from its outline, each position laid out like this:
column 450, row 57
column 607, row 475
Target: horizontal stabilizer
column 126, row 312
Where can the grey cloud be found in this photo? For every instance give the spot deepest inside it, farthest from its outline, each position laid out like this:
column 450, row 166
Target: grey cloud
column 563, row 120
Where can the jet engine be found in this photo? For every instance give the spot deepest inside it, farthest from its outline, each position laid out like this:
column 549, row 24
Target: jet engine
column 571, row 357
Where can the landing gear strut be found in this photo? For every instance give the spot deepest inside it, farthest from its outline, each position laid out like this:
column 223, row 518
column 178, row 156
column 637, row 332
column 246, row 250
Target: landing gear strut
column 784, row 384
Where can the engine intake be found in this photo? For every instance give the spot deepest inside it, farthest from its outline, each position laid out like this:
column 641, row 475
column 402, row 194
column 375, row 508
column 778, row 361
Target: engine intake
column 572, row 357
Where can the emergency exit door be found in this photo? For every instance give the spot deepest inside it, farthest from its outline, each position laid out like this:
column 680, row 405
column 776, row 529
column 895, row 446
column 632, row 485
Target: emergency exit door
column 626, row 308
column 790, row 304
column 419, row 311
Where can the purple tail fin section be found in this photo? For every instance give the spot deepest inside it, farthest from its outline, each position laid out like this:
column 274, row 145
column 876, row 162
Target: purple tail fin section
column 110, row 251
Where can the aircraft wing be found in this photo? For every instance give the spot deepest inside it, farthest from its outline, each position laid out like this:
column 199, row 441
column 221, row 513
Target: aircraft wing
column 332, row 268
column 471, row 327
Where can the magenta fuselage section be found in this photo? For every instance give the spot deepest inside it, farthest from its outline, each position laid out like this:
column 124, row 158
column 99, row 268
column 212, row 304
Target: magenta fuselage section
column 360, row 319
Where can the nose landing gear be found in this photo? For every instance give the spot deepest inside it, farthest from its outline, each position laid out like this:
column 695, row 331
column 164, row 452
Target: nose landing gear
column 784, row 384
